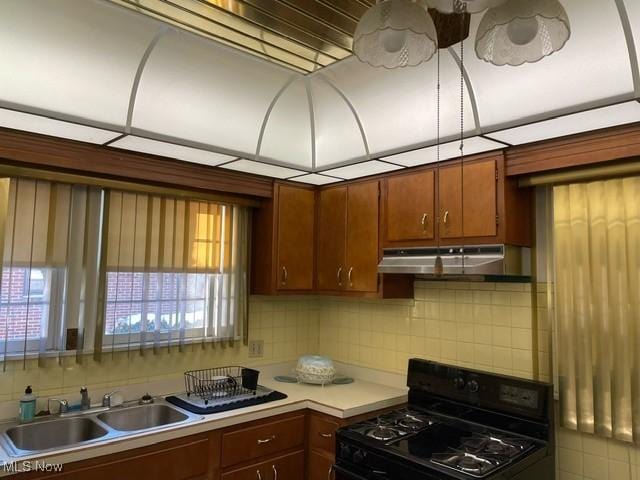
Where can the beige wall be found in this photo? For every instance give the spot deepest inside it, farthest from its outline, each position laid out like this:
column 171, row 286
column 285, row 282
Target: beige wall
column 288, row 326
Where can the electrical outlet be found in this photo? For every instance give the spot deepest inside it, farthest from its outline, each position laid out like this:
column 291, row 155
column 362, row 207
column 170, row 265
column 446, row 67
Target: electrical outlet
column 256, row 348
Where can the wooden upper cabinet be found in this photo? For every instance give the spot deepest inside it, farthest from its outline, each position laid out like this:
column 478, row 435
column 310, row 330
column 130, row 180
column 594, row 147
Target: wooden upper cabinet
column 450, row 201
column 282, row 244
column 362, row 237
column 332, row 238
column 295, row 238
column 409, row 207
column 467, row 200
column 479, row 200
column 474, row 204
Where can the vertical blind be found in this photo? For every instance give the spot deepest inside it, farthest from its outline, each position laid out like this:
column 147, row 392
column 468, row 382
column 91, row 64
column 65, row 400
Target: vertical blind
column 86, row 266
column 597, row 265
column 175, row 272
column 49, row 273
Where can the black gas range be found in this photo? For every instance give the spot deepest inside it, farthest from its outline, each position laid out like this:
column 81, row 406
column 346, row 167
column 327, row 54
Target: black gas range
column 459, row 424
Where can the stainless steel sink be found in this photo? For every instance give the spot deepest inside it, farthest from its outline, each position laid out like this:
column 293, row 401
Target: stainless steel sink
column 141, row 417
column 75, row 429
column 54, row 434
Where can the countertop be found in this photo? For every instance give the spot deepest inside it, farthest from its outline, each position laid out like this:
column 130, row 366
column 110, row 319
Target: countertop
column 342, row 401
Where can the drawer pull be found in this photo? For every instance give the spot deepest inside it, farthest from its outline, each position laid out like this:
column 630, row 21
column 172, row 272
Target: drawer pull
column 325, row 435
column 258, row 476
column 266, row 440
column 275, row 472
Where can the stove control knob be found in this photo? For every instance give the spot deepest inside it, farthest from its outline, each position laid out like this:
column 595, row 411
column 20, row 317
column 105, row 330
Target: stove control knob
column 473, row 386
column 459, row 383
column 358, row 456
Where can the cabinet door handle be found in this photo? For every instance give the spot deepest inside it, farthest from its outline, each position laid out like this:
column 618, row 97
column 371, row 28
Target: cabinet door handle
column 266, row 440
column 325, row 435
column 258, row 476
column 350, row 276
column 330, row 472
column 339, row 275
column 423, row 222
column 275, row 472
column 285, row 275
column 446, row 217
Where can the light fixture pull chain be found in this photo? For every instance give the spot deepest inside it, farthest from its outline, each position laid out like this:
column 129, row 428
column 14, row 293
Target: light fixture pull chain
column 462, row 11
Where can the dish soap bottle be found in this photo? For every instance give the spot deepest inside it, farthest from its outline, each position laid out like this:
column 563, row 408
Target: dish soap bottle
column 27, row 406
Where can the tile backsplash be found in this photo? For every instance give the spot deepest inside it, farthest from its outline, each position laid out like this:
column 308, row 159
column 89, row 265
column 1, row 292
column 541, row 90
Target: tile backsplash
column 478, row 325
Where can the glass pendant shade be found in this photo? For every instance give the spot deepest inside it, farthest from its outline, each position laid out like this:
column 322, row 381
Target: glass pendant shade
column 522, row 31
column 395, row 33
column 472, row 6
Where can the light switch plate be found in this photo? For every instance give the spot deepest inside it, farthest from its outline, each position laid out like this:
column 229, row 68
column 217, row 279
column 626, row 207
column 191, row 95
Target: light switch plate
column 256, row 348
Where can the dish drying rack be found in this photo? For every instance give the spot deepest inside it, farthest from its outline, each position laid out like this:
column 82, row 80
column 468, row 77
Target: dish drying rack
column 221, row 382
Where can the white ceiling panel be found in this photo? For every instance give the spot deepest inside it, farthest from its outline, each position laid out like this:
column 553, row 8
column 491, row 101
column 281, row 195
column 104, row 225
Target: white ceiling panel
column 363, row 169
column 449, row 150
column 74, row 58
column 571, row 124
column 200, row 91
column 54, row 128
column 398, row 107
column 633, row 14
column 287, row 135
column 315, row 179
column 338, row 136
column 592, row 69
column 154, row 147
column 258, row 168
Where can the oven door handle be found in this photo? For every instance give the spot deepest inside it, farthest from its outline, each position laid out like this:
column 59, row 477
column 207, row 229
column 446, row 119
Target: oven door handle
column 342, row 474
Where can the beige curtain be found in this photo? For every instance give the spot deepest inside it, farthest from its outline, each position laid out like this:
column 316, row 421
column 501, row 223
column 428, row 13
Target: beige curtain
column 49, row 277
column 597, row 274
column 174, row 272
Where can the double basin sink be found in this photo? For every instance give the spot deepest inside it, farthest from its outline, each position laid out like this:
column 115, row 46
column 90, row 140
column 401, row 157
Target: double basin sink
column 80, row 428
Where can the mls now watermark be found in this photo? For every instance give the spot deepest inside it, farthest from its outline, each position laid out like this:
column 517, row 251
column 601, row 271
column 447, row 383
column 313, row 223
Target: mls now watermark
column 31, row 466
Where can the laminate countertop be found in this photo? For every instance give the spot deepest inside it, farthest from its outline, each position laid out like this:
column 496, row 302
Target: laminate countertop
column 341, row 401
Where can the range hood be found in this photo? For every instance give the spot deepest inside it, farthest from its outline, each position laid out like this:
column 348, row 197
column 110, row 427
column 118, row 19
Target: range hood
column 465, row 263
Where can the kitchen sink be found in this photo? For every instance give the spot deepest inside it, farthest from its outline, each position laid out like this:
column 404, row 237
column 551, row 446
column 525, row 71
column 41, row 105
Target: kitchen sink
column 141, row 417
column 54, row 434
column 74, row 429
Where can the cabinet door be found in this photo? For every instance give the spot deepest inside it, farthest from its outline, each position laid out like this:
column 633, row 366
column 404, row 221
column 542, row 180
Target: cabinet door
column 286, row 467
column 362, row 237
column 479, row 199
column 409, row 207
column 320, row 467
column 295, row 238
column 450, row 201
column 332, row 238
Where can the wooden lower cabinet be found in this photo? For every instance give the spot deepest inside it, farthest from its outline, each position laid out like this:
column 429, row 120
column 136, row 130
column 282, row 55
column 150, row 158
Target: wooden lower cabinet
column 320, row 466
column 285, row 467
column 188, row 458
column 293, row 446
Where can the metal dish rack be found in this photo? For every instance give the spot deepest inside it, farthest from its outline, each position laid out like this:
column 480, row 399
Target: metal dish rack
column 221, row 382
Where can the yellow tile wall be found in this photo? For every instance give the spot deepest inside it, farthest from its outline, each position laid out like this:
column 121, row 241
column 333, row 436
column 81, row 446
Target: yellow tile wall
column 288, row 326
column 478, row 325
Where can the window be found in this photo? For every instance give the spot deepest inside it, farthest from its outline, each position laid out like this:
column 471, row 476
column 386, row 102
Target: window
column 169, row 269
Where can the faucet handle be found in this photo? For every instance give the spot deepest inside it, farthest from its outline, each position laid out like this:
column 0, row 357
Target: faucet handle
column 63, row 405
column 106, row 399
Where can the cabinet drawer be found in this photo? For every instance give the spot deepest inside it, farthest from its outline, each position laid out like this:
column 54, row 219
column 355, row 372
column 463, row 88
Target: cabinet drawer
column 286, row 467
column 267, row 439
column 322, row 434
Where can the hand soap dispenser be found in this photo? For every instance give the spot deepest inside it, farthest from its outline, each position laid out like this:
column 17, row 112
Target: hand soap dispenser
column 27, row 406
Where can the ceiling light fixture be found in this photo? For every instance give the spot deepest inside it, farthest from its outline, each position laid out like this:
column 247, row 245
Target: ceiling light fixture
column 395, row 33
column 522, row 31
column 471, row 6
